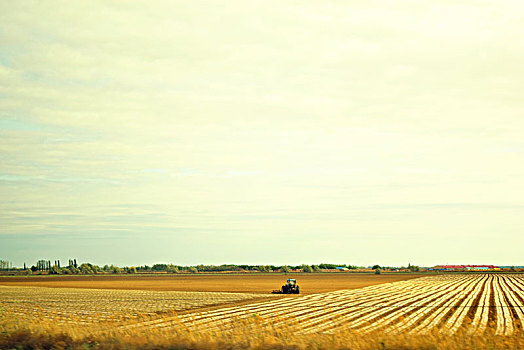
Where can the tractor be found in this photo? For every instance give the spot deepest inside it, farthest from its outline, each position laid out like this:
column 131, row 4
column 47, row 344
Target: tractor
column 291, row 287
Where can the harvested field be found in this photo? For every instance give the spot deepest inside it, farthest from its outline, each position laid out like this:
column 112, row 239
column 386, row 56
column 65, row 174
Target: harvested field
column 449, row 303
column 445, row 311
column 98, row 305
column 237, row 283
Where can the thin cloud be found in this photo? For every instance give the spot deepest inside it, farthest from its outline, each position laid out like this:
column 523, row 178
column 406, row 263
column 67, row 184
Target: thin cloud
column 398, row 123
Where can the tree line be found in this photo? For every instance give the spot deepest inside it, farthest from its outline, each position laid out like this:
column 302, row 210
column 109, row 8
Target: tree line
column 55, row 268
column 6, row 265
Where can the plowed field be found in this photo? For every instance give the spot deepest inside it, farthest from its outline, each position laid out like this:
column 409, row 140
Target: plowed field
column 449, row 303
column 246, row 283
column 73, row 305
column 472, row 303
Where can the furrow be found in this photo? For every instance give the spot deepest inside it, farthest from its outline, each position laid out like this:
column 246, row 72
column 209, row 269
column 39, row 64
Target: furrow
column 439, row 315
column 424, row 312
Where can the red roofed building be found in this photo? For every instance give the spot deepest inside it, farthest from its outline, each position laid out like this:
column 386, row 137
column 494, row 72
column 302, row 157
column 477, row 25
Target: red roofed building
column 466, row 267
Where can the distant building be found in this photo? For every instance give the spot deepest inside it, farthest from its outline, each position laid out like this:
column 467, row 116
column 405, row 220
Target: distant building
column 465, row 268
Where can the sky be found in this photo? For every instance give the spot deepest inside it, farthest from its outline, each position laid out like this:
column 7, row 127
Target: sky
column 262, row 132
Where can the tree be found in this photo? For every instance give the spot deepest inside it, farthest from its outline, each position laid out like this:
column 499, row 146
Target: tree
column 375, row 267
column 413, row 268
column 159, row 267
column 264, row 268
column 132, row 269
column 87, row 268
column 284, row 269
column 306, row 268
column 41, row 265
column 378, row 271
column 55, row 270
column 329, row 266
column 193, row 269
column 4, row 265
column 315, row 268
column 172, row 269
column 74, row 270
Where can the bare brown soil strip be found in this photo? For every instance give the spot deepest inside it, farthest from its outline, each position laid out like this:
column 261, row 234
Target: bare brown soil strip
column 475, row 304
column 456, row 308
column 510, row 306
column 248, row 283
column 492, row 315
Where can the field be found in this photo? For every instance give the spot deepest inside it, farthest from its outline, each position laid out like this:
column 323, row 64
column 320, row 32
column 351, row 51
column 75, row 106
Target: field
column 236, row 283
column 73, row 305
column 449, row 303
column 440, row 311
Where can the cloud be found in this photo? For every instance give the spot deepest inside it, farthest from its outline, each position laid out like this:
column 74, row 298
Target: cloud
column 264, row 120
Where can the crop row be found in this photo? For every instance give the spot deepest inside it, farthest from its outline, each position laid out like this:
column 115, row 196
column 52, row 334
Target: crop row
column 98, row 305
column 474, row 303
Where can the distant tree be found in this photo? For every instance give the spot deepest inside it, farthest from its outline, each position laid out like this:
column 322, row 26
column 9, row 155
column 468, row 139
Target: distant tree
column 41, row 265
column 159, row 267
column 132, row 270
column 264, row 268
column 285, row 269
column 328, row 266
column 378, row 271
column 55, row 270
column 34, row 268
column 413, row 268
column 88, row 269
column 315, row 268
column 193, row 269
column 172, row 269
column 73, row 270
column 306, row 268
column 115, row 269
column 375, row 267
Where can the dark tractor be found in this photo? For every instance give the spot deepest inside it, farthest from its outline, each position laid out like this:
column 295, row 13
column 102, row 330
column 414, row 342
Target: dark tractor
column 291, row 287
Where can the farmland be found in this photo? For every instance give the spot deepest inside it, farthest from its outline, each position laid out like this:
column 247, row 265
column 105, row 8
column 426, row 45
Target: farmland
column 449, row 303
column 98, row 305
column 443, row 309
column 236, row 283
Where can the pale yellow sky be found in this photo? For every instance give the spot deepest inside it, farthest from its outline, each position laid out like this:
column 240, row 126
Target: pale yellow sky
column 359, row 132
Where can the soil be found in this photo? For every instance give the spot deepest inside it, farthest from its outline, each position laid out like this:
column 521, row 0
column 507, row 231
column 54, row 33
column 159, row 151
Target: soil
column 241, row 283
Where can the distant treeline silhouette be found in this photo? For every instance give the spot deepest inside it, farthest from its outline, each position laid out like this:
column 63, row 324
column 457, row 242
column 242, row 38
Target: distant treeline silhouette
column 47, row 267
